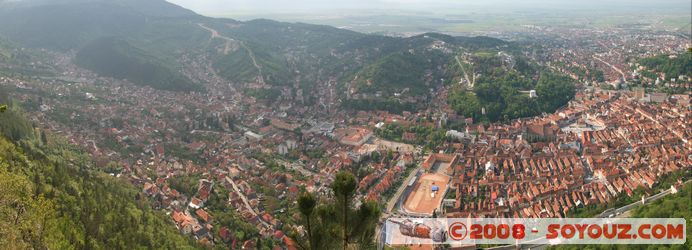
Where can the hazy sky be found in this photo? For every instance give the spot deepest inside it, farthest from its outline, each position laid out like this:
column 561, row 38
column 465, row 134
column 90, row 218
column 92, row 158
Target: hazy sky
column 306, row 6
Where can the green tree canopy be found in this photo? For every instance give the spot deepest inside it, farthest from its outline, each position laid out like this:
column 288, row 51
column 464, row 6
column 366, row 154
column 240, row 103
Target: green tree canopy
column 51, row 198
column 336, row 223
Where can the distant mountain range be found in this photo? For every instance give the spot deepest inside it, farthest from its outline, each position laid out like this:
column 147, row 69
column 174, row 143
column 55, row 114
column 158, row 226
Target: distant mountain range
column 142, row 40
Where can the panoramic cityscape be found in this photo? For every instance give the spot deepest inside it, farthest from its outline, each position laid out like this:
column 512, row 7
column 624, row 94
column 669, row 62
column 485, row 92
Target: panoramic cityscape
column 142, row 124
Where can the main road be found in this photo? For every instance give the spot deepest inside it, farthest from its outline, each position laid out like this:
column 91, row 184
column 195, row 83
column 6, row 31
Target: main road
column 379, row 237
column 244, row 199
column 611, row 66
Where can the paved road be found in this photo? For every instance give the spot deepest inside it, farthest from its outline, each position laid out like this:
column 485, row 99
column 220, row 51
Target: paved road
column 380, row 237
column 468, row 80
column 215, row 34
column 392, row 201
column 612, row 66
column 242, row 197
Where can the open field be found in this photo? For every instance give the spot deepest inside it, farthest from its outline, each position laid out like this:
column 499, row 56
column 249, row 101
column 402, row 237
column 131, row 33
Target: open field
column 480, row 21
column 420, row 201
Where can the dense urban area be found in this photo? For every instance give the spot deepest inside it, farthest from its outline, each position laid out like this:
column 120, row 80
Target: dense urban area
column 224, row 143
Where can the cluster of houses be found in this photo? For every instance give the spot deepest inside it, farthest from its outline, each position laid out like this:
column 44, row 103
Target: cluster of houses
column 534, row 168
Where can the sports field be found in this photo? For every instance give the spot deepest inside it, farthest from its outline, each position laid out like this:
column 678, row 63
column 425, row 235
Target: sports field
column 420, row 200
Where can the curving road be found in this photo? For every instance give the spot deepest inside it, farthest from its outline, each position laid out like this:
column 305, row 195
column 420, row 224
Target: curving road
column 215, row 34
column 466, row 75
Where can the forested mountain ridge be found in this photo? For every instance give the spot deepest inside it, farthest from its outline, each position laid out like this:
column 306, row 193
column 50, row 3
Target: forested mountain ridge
column 418, row 63
column 143, row 42
column 117, row 58
column 52, row 198
column 280, row 53
column 161, row 29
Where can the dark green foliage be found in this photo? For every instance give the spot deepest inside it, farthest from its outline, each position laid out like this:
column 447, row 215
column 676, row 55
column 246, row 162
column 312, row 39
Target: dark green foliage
column 391, row 105
column 498, row 90
column 335, row 224
column 554, row 91
column 186, row 185
column 465, row 103
column 44, row 138
column 402, row 70
column 675, row 206
column 229, row 218
column 480, row 42
column 270, row 94
column 599, row 76
column 270, row 42
column 237, row 66
column 183, row 153
column 306, row 206
column 427, row 136
column 520, row 106
column 285, row 53
column 410, row 63
column 116, row 58
column 319, row 52
column 73, row 206
column 275, row 68
column 344, row 186
column 502, row 100
column 275, row 35
column 672, row 67
column 672, row 206
column 13, row 126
